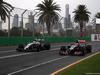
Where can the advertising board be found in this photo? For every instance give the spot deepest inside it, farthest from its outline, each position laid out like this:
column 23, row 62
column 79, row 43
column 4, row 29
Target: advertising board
column 95, row 37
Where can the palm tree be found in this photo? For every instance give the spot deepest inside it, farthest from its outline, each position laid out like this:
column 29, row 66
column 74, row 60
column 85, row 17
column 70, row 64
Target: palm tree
column 97, row 15
column 4, row 10
column 47, row 13
column 81, row 16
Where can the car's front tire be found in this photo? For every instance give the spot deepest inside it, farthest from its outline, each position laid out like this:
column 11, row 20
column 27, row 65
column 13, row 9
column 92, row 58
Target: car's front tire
column 47, row 46
column 82, row 50
column 89, row 48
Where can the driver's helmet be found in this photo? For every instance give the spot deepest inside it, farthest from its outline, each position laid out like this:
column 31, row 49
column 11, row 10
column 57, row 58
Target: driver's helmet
column 77, row 41
column 36, row 40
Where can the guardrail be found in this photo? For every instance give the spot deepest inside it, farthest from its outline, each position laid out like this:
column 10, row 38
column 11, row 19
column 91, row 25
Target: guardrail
column 4, row 41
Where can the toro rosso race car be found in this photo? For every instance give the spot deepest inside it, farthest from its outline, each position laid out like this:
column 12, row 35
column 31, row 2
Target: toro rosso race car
column 79, row 48
column 36, row 45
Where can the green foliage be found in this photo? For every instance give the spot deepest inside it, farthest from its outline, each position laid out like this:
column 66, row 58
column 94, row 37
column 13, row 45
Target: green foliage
column 15, row 31
column 37, row 34
column 97, row 15
column 4, row 10
column 3, row 33
column 27, row 32
column 81, row 16
column 48, row 10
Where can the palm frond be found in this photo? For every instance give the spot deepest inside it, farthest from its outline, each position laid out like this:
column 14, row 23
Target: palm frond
column 97, row 15
column 5, row 10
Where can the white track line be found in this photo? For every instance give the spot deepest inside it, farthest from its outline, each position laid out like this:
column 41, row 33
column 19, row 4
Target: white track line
column 23, row 54
column 15, row 55
column 36, row 65
column 15, row 50
column 7, row 51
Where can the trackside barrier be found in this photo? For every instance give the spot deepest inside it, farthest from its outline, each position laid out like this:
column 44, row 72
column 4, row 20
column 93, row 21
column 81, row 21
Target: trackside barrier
column 4, row 41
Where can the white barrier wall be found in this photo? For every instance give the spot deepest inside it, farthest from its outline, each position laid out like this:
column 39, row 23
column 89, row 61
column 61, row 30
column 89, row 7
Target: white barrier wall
column 95, row 37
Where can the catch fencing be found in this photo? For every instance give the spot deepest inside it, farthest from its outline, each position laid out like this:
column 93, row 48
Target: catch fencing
column 24, row 23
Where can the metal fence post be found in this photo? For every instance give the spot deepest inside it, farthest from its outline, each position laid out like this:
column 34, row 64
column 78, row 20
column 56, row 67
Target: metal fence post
column 52, row 25
column 9, row 25
column 22, row 23
column 33, row 23
column 9, row 22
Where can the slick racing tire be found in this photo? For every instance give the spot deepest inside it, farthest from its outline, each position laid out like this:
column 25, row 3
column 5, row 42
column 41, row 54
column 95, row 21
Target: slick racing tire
column 63, row 48
column 47, row 46
column 82, row 50
column 20, row 46
column 88, row 48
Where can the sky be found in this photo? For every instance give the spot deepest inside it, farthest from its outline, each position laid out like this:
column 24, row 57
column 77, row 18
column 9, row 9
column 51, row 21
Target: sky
column 92, row 5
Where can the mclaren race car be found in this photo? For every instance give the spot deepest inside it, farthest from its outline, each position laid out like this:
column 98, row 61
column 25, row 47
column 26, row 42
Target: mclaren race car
column 79, row 48
column 36, row 45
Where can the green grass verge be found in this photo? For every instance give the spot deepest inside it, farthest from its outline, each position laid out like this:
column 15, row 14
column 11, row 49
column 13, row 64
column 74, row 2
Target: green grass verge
column 90, row 66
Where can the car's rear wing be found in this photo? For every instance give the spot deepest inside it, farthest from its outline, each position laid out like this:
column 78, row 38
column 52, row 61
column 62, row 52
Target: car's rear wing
column 82, row 41
column 41, row 40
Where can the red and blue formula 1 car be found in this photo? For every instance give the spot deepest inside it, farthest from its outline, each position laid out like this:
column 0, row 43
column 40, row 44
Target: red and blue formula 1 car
column 79, row 48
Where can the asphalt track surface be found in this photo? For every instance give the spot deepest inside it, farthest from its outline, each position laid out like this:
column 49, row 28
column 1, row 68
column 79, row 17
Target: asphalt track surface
column 38, row 63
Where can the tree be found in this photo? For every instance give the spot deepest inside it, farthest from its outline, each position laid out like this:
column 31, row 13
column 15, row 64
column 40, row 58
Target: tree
column 47, row 13
column 4, row 10
column 97, row 15
column 3, row 33
column 15, row 31
column 81, row 15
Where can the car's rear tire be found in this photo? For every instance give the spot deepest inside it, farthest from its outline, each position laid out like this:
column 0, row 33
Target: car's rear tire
column 20, row 46
column 89, row 48
column 47, row 46
column 82, row 50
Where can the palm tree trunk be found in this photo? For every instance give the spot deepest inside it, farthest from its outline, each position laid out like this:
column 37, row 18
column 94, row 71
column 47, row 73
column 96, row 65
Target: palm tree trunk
column 96, row 28
column 1, row 1
column 48, row 28
column 81, row 28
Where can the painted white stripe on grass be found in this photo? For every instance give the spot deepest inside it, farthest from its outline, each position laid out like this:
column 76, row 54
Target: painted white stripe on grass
column 7, row 51
column 15, row 55
column 36, row 65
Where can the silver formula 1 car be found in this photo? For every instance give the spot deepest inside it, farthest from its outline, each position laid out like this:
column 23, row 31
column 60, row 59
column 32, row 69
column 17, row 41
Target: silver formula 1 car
column 36, row 45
